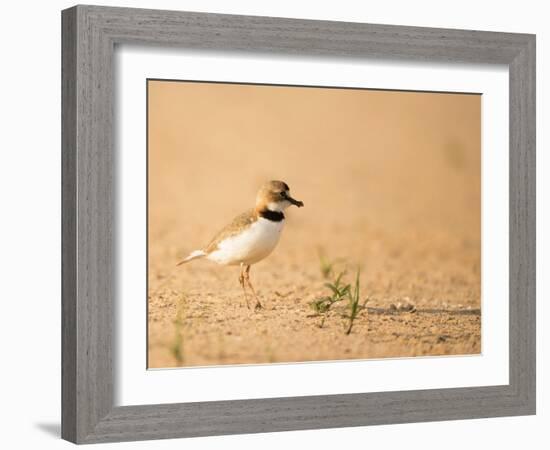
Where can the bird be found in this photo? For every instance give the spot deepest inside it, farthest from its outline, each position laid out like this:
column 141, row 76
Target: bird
column 251, row 236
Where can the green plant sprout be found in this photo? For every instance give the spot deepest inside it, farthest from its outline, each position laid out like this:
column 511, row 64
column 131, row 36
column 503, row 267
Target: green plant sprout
column 325, row 265
column 322, row 306
column 339, row 292
column 353, row 302
column 177, row 345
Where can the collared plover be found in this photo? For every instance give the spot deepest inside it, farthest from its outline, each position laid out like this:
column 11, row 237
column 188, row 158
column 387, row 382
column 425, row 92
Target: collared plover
column 252, row 235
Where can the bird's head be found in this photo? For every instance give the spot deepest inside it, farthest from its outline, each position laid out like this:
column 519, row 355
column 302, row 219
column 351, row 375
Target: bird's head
column 275, row 196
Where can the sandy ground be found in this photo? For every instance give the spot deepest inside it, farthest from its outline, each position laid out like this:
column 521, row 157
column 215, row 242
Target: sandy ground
column 390, row 182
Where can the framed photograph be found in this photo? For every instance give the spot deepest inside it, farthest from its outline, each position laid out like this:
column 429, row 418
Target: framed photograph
column 278, row 224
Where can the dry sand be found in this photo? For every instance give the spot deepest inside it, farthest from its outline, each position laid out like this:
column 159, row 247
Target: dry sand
column 390, row 182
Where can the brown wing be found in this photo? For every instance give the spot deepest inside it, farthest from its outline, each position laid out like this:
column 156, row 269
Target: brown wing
column 237, row 224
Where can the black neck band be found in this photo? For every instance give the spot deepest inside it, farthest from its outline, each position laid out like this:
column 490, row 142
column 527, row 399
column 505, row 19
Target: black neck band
column 274, row 216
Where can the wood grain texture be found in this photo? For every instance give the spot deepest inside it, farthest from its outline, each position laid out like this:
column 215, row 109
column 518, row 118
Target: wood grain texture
column 523, row 225
column 89, row 210
column 68, row 226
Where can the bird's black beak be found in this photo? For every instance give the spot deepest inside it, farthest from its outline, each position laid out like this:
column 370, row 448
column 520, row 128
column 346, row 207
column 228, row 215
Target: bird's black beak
column 298, row 203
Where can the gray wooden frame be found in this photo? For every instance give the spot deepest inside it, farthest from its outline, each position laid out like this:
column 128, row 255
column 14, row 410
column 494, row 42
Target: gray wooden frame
column 89, row 36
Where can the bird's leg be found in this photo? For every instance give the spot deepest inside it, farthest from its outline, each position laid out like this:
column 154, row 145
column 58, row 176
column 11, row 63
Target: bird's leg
column 247, row 278
column 241, row 282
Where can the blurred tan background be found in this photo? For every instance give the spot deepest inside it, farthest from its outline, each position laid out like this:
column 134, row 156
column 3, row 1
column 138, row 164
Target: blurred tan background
column 390, row 181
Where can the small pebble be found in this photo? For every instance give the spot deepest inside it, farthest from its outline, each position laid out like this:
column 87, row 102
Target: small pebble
column 403, row 307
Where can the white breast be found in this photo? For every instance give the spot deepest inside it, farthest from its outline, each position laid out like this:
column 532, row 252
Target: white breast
column 251, row 245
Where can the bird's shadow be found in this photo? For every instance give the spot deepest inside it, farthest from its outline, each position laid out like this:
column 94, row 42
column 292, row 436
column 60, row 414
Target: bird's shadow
column 53, row 429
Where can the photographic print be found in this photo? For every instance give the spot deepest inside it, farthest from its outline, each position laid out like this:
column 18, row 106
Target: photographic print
column 298, row 223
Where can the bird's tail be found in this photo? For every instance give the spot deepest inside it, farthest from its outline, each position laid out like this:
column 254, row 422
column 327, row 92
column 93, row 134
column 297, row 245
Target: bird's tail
column 193, row 255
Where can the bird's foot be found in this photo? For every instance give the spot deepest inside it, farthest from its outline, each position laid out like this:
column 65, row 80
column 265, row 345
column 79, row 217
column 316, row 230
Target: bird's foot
column 258, row 306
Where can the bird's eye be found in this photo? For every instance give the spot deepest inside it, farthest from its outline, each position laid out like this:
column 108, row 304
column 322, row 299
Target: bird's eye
column 283, row 193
